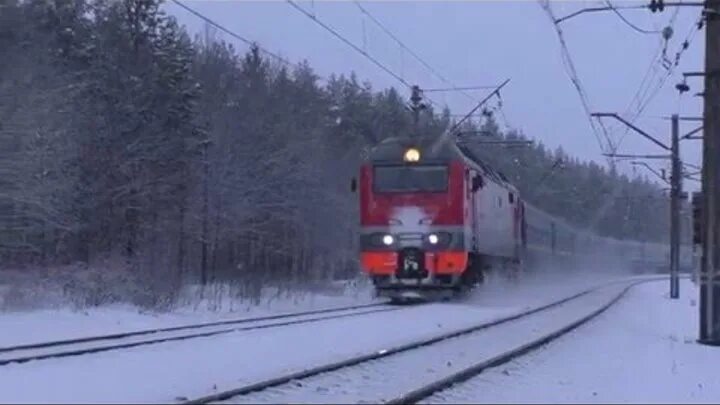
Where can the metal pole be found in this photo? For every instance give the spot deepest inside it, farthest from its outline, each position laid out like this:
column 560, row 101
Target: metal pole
column 709, row 291
column 697, row 235
column 416, row 106
column 675, row 180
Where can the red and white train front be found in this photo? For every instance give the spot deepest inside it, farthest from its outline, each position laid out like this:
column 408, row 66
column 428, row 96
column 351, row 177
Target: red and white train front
column 415, row 227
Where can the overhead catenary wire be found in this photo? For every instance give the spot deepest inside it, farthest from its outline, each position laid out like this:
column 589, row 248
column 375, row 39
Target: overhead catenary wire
column 453, row 87
column 415, row 55
column 356, row 48
column 400, row 43
column 232, row 34
column 647, row 92
column 441, row 89
column 628, row 22
column 639, row 98
column 642, row 90
column 477, row 107
column 647, row 79
column 449, row 133
column 241, row 38
column 349, row 43
column 650, row 92
column 597, row 9
column 343, row 39
column 694, row 29
column 572, row 72
column 671, row 69
column 660, row 56
column 252, row 43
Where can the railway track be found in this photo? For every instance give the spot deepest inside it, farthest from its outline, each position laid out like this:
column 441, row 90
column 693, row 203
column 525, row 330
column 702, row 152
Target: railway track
column 117, row 341
column 417, row 370
column 426, row 392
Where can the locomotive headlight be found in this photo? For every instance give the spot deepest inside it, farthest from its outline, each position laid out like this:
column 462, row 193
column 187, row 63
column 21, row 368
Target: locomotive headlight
column 433, row 239
column 412, row 155
column 388, row 240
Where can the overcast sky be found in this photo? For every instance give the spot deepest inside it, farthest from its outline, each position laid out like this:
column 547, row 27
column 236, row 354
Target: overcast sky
column 483, row 43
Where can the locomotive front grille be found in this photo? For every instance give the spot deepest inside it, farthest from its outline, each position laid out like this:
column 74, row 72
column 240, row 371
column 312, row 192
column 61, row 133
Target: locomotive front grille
column 411, row 264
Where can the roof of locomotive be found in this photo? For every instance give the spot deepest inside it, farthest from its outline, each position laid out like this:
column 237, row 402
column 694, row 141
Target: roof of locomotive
column 392, row 149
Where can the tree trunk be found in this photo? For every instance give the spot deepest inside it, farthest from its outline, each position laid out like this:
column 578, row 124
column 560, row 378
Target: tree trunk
column 181, row 241
column 204, row 248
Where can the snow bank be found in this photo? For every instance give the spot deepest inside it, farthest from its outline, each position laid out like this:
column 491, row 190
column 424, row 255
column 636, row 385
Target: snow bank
column 52, row 322
column 80, row 287
column 23, row 327
column 228, row 298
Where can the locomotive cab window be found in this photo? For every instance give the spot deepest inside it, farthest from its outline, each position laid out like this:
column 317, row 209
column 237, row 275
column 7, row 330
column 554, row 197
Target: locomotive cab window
column 511, row 198
column 410, row 178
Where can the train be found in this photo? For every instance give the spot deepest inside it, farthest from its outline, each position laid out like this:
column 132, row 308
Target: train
column 435, row 221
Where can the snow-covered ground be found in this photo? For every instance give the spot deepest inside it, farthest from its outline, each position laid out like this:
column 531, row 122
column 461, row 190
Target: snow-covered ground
column 193, row 368
column 642, row 350
column 197, row 367
column 24, row 327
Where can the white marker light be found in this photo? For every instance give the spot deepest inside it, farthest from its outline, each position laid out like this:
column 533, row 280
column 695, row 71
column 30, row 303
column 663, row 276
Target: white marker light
column 388, row 240
column 433, row 239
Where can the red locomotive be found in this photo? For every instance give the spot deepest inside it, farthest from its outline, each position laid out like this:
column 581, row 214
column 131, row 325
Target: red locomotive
column 434, row 217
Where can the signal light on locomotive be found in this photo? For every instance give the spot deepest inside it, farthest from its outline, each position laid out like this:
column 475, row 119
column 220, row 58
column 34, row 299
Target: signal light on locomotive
column 412, row 155
column 388, row 240
column 433, row 239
